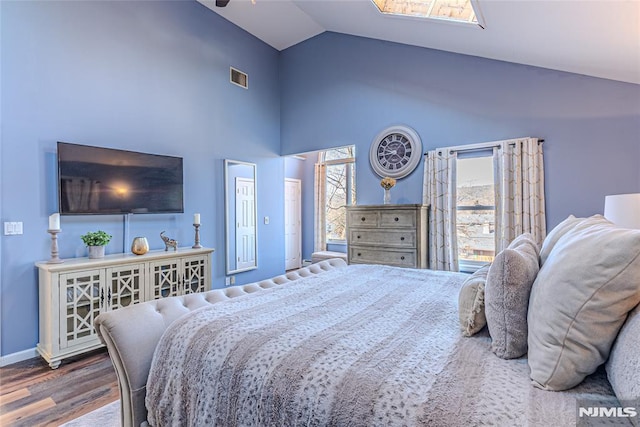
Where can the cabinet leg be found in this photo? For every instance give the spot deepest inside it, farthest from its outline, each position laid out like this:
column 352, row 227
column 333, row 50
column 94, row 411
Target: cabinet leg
column 55, row 365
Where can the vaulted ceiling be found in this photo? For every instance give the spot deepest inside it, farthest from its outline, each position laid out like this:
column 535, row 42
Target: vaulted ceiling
column 599, row 38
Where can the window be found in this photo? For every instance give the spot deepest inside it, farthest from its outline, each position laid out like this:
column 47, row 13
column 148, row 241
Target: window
column 450, row 10
column 340, row 190
column 475, row 211
column 484, row 225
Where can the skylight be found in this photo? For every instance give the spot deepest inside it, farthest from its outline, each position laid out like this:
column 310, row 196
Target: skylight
column 450, row 10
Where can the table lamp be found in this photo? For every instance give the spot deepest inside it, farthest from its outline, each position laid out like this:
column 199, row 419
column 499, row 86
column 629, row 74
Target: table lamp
column 623, row 210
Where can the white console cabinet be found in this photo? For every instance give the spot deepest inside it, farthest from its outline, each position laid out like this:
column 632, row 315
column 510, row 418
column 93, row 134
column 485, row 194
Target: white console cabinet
column 73, row 293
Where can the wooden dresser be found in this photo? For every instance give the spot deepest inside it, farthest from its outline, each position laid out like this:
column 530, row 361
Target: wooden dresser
column 388, row 234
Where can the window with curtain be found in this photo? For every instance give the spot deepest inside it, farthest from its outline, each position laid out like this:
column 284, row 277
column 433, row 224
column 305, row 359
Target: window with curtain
column 339, row 182
column 466, row 227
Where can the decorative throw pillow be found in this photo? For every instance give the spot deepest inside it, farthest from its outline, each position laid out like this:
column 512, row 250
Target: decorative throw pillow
column 471, row 302
column 507, row 296
column 623, row 366
column 580, row 300
column 562, row 229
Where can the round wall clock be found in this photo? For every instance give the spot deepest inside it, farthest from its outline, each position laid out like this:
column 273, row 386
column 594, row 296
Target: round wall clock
column 395, row 152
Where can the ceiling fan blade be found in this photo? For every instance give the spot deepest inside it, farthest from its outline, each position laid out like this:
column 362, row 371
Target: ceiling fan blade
column 221, row 3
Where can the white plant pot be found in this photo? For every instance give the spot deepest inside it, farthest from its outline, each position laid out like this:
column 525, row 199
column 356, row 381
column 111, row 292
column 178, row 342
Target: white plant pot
column 96, row 252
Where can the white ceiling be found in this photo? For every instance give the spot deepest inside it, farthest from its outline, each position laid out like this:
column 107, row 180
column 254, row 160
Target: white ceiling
column 598, row 38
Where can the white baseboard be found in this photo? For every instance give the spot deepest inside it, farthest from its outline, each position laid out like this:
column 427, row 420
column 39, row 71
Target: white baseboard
column 10, row 359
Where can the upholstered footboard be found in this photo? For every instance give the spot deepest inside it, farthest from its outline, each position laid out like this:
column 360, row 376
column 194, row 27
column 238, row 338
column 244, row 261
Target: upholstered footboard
column 131, row 334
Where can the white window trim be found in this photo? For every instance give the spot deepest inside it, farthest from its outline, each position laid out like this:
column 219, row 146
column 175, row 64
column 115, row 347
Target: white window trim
column 344, row 161
column 469, row 266
column 466, row 265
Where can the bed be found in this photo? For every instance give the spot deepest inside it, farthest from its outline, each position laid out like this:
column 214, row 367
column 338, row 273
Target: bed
column 358, row 345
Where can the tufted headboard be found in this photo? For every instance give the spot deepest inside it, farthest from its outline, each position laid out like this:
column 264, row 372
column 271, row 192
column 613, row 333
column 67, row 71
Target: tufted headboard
column 131, row 334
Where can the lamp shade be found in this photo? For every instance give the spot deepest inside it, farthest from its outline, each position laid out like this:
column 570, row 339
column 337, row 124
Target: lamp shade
column 623, row 210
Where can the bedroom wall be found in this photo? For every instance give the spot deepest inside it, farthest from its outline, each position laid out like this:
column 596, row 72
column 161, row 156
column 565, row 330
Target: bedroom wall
column 339, row 90
column 143, row 76
column 153, row 77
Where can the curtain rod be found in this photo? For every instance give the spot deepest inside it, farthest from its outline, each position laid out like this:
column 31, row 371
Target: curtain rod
column 488, row 147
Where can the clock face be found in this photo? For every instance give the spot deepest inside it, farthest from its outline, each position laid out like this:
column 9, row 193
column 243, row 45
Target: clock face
column 395, row 152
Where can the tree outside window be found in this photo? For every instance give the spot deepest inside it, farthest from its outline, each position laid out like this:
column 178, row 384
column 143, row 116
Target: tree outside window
column 340, row 189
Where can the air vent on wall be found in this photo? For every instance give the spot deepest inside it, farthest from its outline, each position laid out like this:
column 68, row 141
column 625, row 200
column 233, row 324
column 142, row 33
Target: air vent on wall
column 239, row 78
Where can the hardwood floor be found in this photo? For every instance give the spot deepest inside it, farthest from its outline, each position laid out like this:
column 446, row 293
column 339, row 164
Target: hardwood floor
column 32, row 394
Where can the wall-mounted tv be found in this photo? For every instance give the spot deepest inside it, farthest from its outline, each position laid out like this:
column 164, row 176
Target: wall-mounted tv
column 105, row 181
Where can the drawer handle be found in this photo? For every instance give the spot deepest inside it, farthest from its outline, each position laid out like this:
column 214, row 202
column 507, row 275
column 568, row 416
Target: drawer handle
column 358, row 237
column 402, row 257
column 359, row 254
column 363, row 218
column 402, row 238
column 396, row 219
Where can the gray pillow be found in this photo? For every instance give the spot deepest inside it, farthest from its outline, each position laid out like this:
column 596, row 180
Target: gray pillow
column 580, row 300
column 471, row 302
column 623, row 366
column 507, row 296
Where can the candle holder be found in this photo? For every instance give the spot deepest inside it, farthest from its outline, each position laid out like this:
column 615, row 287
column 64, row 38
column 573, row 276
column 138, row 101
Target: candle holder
column 197, row 244
column 54, row 247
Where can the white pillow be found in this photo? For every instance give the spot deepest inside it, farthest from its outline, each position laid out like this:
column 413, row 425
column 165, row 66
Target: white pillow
column 471, row 303
column 579, row 301
column 561, row 229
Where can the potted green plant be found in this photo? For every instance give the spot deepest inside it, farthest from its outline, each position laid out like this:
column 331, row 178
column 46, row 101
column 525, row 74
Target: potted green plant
column 96, row 241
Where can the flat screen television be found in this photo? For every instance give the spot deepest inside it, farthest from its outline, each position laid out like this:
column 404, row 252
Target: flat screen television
column 105, row 181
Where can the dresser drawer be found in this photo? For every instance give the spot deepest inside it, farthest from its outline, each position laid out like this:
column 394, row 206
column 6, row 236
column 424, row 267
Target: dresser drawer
column 397, row 219
column 386, row 238
column 364, row 255
column 363, row 218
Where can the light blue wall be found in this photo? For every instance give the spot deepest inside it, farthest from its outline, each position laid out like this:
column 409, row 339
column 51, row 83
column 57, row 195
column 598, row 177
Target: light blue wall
column 144, row 76
column 153, row 76
column 338, row 90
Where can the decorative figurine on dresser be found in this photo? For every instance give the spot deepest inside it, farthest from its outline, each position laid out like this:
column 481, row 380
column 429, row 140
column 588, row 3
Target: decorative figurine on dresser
column 391, row 234
column 168, row 242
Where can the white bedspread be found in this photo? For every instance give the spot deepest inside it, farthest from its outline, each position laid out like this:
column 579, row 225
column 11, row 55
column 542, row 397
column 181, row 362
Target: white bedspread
column 358, row 346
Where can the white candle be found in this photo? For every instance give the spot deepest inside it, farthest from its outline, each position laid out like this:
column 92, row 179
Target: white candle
column 196, row 219
column 54, row 221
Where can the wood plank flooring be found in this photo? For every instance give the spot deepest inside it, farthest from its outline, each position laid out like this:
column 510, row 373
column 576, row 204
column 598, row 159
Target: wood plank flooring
column 33, row 394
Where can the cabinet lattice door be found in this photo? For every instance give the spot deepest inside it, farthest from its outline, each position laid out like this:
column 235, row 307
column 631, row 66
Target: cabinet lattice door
column 125, row 285
column 166, row 280
column 83, row 297
column 194, row 274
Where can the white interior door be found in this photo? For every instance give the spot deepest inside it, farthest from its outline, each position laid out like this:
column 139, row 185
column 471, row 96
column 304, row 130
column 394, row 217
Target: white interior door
column 245, row 223
column 293, row 223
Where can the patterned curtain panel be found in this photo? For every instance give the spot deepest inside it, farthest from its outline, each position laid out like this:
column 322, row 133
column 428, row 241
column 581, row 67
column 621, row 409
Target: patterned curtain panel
column 519, row 179
column 439, row 192
column 320, row 198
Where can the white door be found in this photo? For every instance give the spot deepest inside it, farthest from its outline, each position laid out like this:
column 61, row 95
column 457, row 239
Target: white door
column 292, row 223
column 245, row 223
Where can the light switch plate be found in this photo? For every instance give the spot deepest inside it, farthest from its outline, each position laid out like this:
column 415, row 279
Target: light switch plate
column 266, row 220
column 12, row 228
